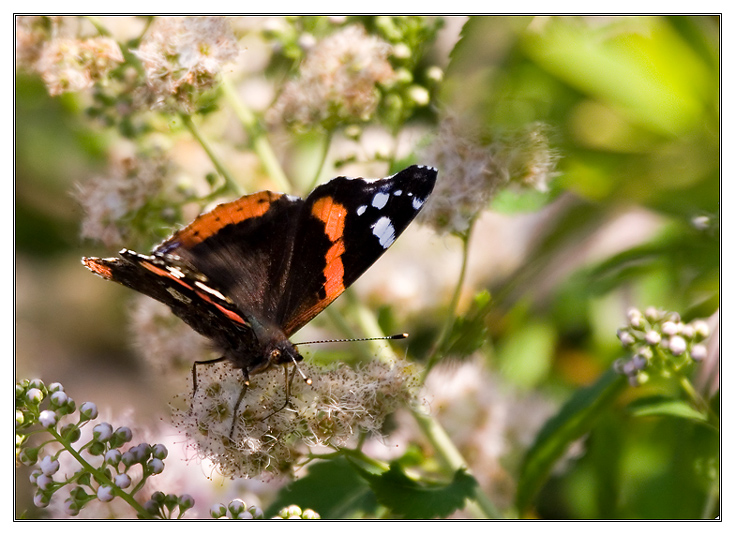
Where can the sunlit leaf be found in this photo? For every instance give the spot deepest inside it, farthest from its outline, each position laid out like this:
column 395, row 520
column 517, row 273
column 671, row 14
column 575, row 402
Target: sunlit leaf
column 574, row 419
column 331, row 488
column 658, row 406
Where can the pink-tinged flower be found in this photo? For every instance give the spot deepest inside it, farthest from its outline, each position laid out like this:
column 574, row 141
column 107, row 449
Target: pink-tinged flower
column 182, row 57
column 110, row 201
column 338, row 81
column 474, row 166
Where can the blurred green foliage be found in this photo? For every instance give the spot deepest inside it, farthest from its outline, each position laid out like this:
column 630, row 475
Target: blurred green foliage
column 634, row 107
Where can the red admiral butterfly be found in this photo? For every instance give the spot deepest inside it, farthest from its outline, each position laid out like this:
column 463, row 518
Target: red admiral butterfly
column 252, row 272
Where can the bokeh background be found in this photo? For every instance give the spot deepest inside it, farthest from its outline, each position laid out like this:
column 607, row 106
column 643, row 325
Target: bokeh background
column 631, row 106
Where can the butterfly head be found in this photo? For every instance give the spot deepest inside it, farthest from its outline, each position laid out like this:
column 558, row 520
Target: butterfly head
column 271, row 349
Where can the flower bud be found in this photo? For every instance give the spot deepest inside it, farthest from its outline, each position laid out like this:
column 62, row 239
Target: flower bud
column 70, row 432
column 102, row 432
column 159, row 451
column 47, row 419
column 58, row 398
column 236, row 506
column 71, row 507
column 41, row 499
column 701, row 329
column 653, row 337
column 670, row 328
column 48, row 465
column 105, row 493
column 34, row 396
column 699, row 352
column 113, row 457
column 88, row 411
column 186, row 501
column 123, row 435
column 634, row 317
column 218, row 510
column 677, row 345
column 155, row 466
column 122, row 481
column 44, row 482
column 625, row 338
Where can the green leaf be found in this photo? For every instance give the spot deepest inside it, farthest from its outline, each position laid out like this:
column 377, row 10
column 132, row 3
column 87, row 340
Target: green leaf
column 408, row 498
column 332, row 488
column 573, row 420
column 660, row 406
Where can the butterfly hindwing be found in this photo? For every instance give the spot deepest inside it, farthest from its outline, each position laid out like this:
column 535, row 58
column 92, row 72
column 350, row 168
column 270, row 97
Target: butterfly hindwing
column 187, row 293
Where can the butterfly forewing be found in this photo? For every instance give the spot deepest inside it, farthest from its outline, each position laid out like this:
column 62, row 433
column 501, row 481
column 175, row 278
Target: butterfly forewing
column 345, row 226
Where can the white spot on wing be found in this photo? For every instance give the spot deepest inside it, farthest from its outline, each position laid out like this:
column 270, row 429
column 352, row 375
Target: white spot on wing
column 380, row 199
column 176, row 272
column 384, row 231
column 361, row 209
column 398, row 192
column 210, row 290
column 417, row 203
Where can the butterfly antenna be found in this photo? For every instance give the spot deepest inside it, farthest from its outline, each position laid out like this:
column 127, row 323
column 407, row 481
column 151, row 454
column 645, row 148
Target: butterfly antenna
column 391, row 337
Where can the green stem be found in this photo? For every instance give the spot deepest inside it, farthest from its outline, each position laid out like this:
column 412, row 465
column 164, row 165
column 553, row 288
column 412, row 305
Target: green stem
column 695, row 398
column 452, row 460
column 370, row 327
column 360, row 456
column 230, row 182
column 99, row 475
column 257, row 134
column 344, row 327
column 433, row 357
column 322, row 160
column 447, row 453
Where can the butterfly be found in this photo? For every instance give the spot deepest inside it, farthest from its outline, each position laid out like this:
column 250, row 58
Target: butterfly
column 250, row 273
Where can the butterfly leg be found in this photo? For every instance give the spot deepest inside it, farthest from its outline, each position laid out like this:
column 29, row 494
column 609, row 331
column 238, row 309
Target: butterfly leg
column 289, row 380
column 237, row 406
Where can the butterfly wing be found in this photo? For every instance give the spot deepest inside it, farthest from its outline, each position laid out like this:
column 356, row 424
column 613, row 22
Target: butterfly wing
column 266, row 264
column 344, row 227
column 244, row 248
column 186, row 292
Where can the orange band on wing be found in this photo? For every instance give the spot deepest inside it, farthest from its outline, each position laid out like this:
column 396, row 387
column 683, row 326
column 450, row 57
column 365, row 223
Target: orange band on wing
column 227, row 312
column 95, row 266
column 234, row 212
column 334, row 272
column 164, row 273
column 332, row 214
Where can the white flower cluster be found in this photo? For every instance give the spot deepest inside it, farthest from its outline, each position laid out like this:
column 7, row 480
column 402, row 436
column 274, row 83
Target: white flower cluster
column 339, row 404
column 182, row 56
column 338, row 81
column 474, row 167
column 64, row 63
column 109, row 200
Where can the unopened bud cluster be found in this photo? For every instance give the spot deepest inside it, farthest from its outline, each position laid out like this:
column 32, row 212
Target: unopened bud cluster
column 660, row 344
column 108, row 473
column 239, row 510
